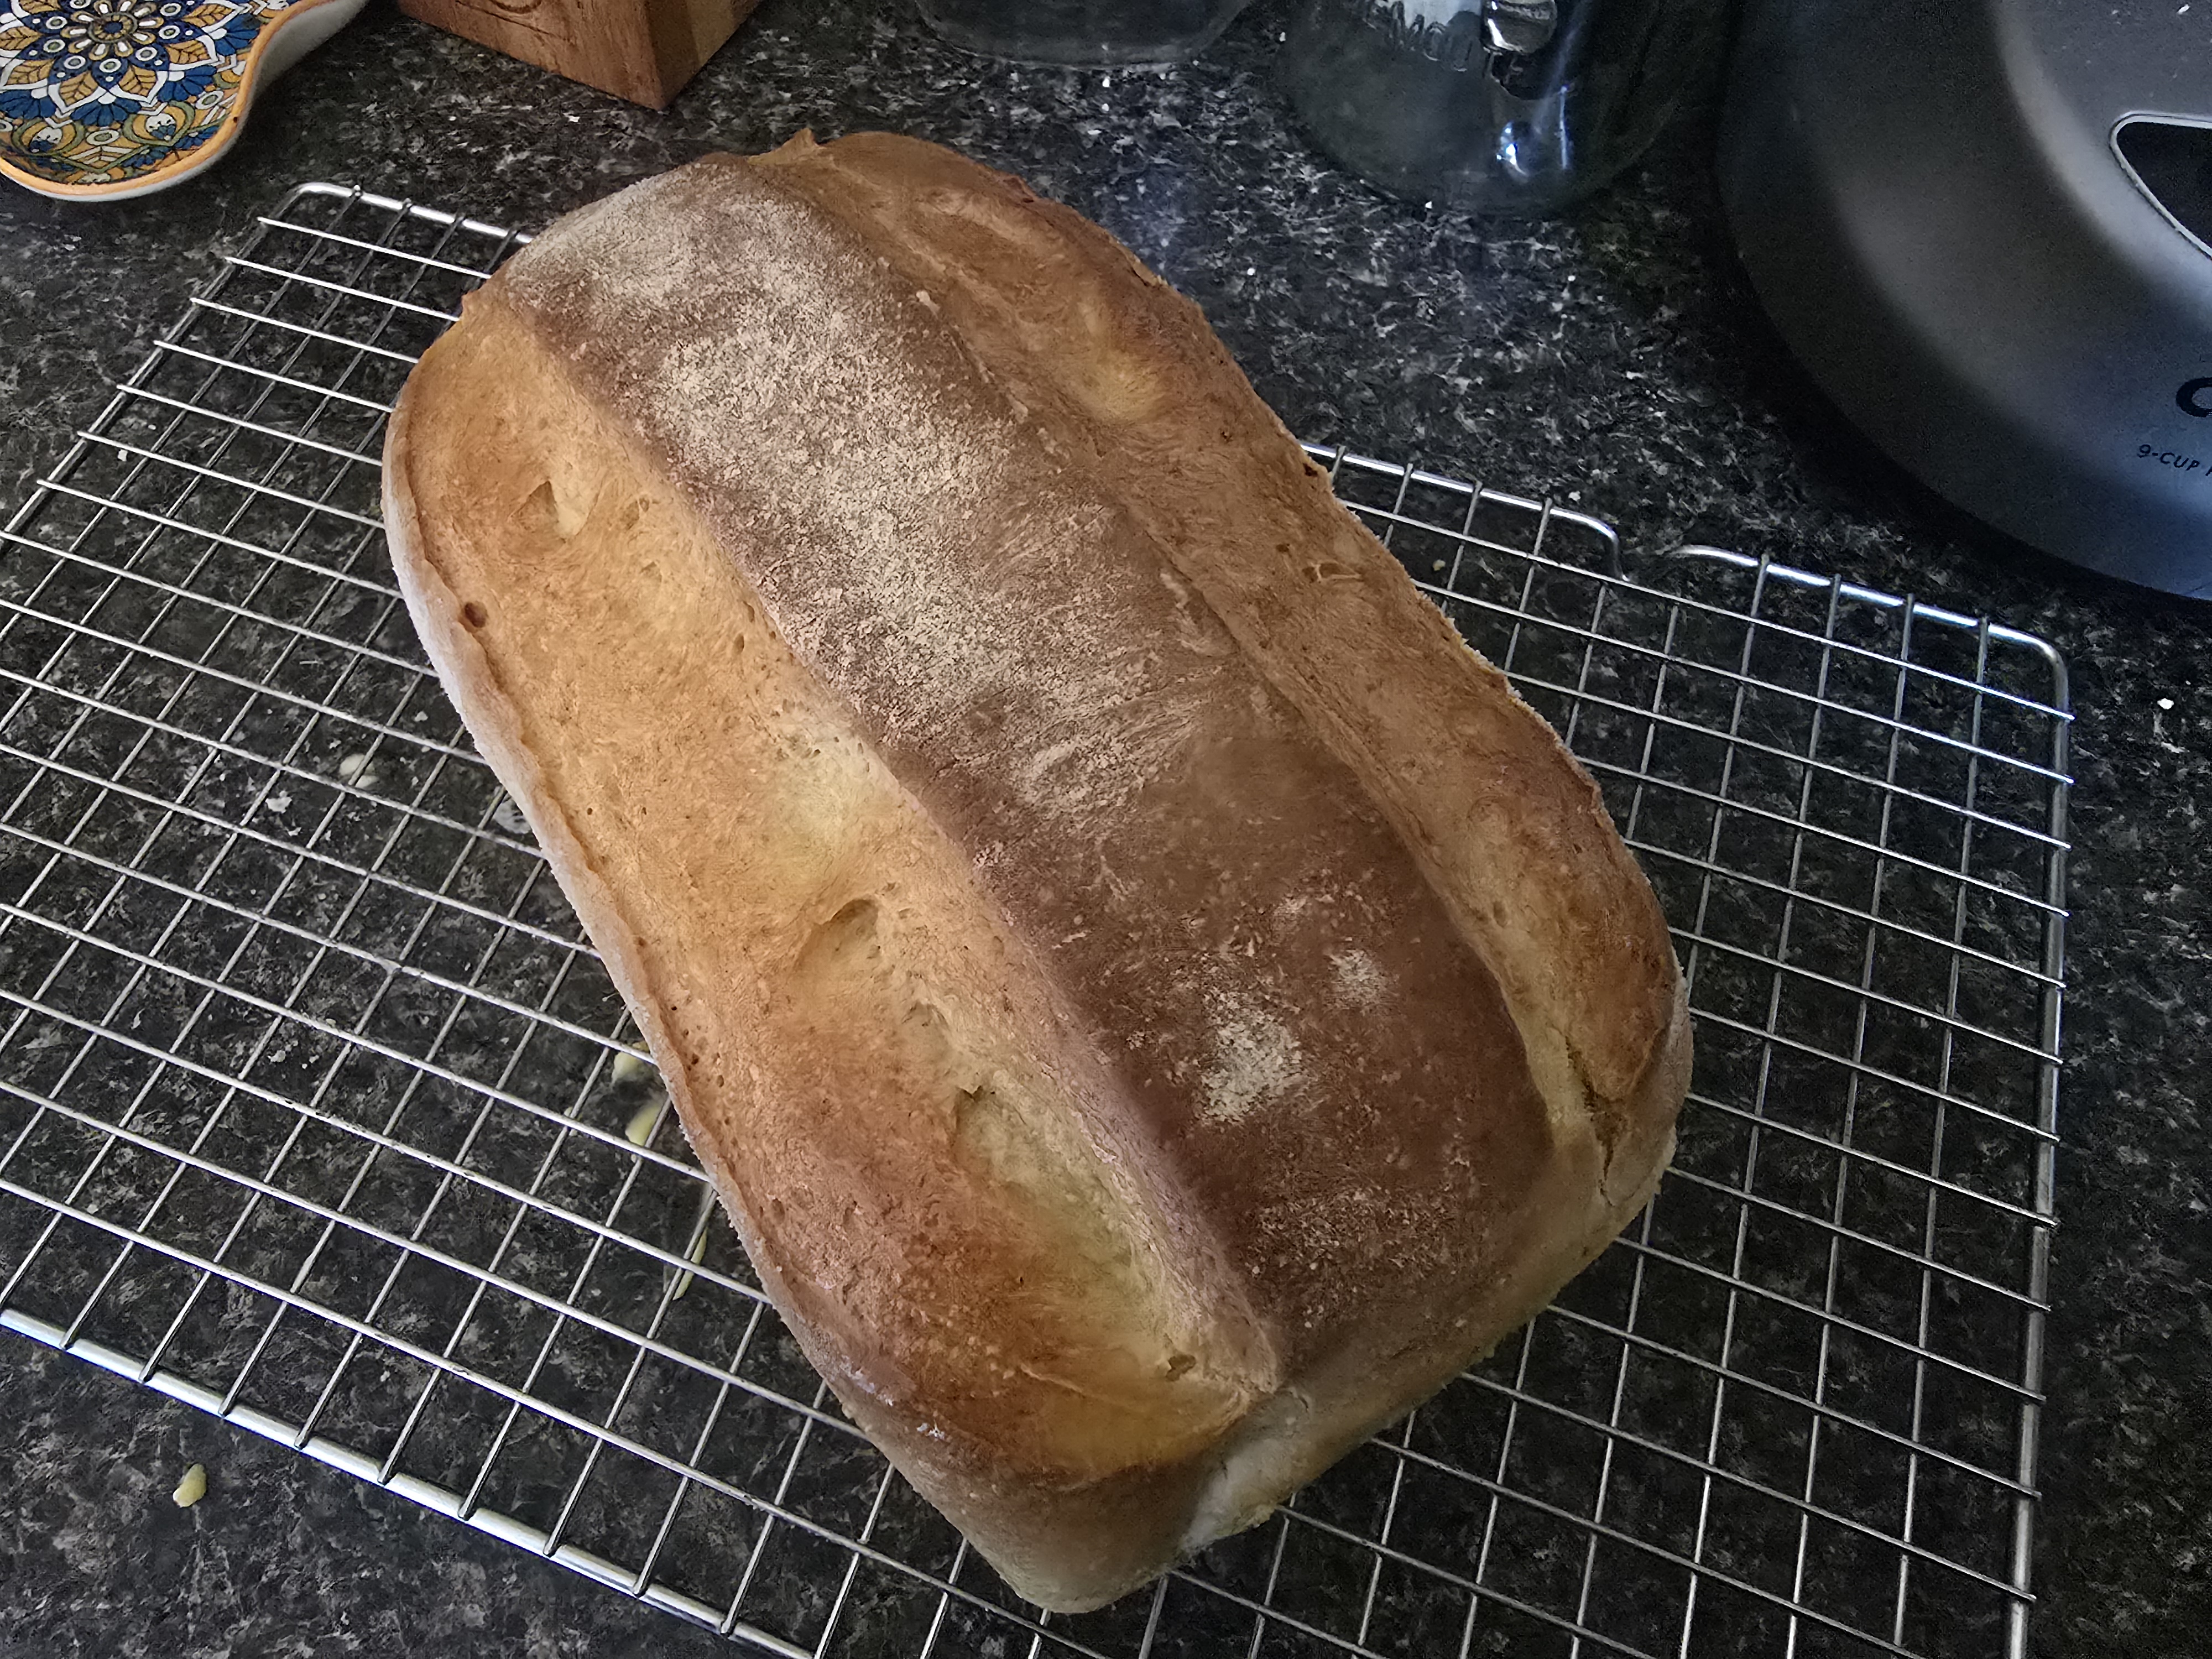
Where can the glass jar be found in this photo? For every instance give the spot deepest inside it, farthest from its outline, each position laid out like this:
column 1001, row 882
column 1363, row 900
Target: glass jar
column 1093, row 32
column 1495, row 106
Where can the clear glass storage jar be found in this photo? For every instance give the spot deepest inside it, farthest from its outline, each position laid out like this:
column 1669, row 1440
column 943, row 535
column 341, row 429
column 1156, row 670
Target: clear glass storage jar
column 1498, row 105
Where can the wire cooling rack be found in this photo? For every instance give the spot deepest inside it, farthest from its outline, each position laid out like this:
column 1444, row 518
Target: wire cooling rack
column 320, row 1113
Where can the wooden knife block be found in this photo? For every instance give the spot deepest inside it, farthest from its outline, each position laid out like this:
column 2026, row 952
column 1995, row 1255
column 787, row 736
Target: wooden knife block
column 641, row 50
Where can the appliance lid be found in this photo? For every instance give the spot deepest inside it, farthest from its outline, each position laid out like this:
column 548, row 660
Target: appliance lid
column 1980, row 225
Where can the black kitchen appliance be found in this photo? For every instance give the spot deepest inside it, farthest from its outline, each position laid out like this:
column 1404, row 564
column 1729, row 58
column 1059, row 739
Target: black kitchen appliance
column 1985, row 227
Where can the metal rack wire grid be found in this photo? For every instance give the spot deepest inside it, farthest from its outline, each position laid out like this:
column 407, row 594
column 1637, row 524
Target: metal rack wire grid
column 320, row 1113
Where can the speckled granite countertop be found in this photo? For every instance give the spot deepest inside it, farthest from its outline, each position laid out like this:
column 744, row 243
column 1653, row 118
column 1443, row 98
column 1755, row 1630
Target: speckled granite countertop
column 1614, row 358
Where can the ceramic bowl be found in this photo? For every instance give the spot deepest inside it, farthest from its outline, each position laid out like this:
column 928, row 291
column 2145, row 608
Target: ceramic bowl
column 116, row 98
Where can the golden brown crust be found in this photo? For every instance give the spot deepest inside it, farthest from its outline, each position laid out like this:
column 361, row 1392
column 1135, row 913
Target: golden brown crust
column 567, row 653
column 1143, row 395
column 1085, row 973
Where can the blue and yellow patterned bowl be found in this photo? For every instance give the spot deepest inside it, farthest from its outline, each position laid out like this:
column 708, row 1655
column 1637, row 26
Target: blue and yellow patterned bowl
column 114, row 98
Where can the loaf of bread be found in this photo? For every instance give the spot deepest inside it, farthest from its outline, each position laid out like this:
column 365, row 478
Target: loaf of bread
column 1155, row 1004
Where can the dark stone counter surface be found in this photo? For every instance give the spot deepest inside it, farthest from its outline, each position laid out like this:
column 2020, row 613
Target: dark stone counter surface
column 1614, row 358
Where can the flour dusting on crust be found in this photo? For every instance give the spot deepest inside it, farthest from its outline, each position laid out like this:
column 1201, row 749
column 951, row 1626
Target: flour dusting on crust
column 1256, row 1058
column 757, row 346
